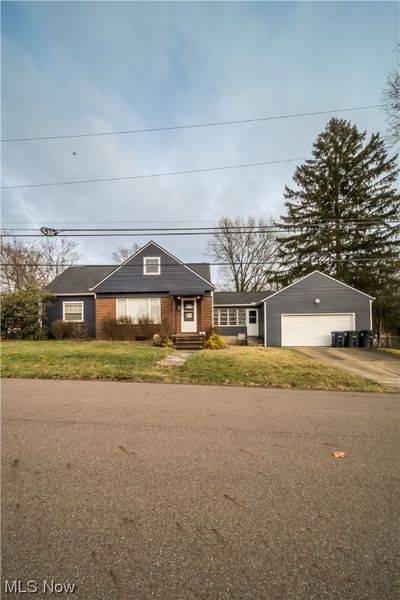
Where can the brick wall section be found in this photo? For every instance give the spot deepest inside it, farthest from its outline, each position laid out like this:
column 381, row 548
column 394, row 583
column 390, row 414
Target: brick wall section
column 105, row 307
column 206, row 314
column 167, row 311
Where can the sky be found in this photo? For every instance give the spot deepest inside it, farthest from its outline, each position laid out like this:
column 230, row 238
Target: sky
column 85, row 67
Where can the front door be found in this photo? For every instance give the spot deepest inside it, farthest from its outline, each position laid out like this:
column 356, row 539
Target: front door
column 188, row 315
column 252, row 321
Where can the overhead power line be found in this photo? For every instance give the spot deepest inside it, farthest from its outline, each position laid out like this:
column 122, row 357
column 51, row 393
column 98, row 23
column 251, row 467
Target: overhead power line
column 212, row 264
column 151, row 175
column 372, row 222
column 191, row 125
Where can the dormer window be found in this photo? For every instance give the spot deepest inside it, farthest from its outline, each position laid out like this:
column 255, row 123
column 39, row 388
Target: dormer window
column 151, row 265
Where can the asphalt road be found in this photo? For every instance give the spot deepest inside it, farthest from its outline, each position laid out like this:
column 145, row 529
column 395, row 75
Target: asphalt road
column 136, row 491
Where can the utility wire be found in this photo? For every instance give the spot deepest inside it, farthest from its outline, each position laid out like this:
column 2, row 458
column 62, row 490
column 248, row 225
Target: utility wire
column 223, row 229
column 262, row 223
column 212, row 264
column 189, row 126
column 230, row 230
column 152, row 175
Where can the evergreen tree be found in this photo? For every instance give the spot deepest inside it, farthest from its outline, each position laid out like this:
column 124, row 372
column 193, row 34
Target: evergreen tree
column 344, row 216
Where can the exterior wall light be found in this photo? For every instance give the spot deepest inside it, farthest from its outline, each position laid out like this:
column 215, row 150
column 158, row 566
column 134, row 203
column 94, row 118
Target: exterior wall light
column 317, row 301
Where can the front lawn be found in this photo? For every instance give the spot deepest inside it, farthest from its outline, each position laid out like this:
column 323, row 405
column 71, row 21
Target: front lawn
column 264, row 367
column 276, row 367
column 392, row 351
column 82, row 360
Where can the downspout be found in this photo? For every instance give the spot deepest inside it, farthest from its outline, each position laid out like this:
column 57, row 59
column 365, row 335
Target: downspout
column 174, row 315
column 265, row 323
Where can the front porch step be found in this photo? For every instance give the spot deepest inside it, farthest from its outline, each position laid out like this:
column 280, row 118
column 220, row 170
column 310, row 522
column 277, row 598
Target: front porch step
column 189, row 342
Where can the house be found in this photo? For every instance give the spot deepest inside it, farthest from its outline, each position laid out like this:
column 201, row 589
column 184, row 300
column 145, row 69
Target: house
column 155, row 283
column 151, row 282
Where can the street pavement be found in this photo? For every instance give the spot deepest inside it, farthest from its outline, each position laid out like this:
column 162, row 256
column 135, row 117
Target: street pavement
column 153, row 491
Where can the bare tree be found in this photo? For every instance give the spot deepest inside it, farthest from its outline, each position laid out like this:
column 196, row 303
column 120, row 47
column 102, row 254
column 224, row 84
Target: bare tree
column 20, row 264
column 122, row 254
column 391, row 101
column 248, row 251
column 25, row 263
column 57, row 254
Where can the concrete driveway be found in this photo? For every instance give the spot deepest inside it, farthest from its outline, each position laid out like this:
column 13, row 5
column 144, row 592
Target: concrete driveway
column 373, row 364
column 145, row 491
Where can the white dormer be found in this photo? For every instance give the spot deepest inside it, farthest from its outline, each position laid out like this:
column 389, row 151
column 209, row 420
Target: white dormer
column 151, row 265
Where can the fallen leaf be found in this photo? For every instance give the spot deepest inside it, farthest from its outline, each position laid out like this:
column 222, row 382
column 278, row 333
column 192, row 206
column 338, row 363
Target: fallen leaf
column 339, row 454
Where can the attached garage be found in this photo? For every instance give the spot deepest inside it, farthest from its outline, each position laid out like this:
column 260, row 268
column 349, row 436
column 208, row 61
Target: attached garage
column 313, row 330
column 306, row 312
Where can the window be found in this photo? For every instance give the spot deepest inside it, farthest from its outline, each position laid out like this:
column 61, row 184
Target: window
column 73, row 311
column 229, row 316
column 252, row 316
column 135, row 308
column 151, row 265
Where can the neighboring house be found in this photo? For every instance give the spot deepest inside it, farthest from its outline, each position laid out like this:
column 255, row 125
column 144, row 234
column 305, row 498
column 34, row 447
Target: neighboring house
column 153, row 282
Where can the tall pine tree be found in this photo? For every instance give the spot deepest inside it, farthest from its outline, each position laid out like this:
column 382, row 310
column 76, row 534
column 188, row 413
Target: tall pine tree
column 344, row 216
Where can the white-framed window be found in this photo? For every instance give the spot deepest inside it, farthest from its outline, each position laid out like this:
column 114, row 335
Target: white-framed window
column 151, row 265
column 73, row 311
column 229, row 316
column 135, row 308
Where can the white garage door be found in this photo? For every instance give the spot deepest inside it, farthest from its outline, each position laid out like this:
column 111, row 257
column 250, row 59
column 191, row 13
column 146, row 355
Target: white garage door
column 313, row 330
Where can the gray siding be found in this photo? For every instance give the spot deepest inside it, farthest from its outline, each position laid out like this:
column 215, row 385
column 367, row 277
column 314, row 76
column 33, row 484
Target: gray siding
column 231, row 329
column 235, row 329
column 89, row 311
column 174, row 277
column 299, row 299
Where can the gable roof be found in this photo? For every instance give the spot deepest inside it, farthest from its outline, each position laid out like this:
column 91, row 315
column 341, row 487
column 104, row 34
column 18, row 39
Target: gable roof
column 163, row 250
column 79, row 280
column 239, row 298
column 202, row 269
column 319, row 273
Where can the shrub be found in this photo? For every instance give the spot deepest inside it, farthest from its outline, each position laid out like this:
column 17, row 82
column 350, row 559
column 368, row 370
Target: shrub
column 23, row 313
column 165, row 328
column 162, row 341
column 110, row 328
column 146, row 328
column 125, row 329
column 79, row 331
column 215, row 341
column 69, row 329
column 122, row 329
column 60, row 329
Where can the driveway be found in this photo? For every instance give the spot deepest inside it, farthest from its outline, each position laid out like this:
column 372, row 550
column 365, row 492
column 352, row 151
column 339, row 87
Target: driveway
column 152, row 491
column 373, row 364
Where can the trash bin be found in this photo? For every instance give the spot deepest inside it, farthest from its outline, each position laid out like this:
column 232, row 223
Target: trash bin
column 350, row 339
column 365, row 338
column 337, row 339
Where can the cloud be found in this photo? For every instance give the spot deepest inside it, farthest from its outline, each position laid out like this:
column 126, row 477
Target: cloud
column 80, row 67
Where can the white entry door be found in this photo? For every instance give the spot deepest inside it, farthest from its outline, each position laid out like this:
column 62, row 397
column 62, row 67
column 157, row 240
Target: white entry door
column 252, row 321
column 188, row 315
column 313, row 330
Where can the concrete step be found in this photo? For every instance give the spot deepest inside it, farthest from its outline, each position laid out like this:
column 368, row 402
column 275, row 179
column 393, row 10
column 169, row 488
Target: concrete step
column 189, row 342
